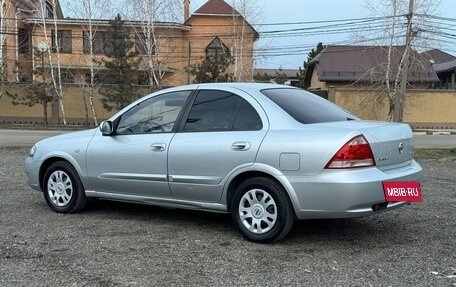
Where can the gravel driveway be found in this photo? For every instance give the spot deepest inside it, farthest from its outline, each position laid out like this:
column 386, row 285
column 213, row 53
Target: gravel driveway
column 118, row 244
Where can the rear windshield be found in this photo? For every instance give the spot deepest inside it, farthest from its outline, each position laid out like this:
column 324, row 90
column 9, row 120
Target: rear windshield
column 306, row 107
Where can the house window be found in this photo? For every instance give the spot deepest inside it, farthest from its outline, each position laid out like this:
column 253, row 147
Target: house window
column 24, row 41
column 101, row 78
column 98, row 42
column 216, row 50
column 68, row 78
column 49, row 10
column 63, row 42
column 143, row 45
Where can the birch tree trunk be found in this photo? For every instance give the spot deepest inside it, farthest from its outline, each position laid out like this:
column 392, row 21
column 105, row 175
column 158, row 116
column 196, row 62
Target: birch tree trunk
column 91, row 11
column 3, row 21
column 251, row 11
column 149, row 12
column 396, row 13
column 57, row 83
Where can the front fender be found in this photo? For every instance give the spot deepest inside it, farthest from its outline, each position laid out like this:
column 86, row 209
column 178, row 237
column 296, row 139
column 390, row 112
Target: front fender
column 79, row 166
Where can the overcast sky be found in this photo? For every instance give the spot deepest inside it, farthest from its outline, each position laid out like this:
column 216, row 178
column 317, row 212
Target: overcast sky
column 316, row 10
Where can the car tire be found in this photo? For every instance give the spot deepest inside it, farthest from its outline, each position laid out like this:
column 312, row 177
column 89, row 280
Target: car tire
column 62, row 188
column 262, row 211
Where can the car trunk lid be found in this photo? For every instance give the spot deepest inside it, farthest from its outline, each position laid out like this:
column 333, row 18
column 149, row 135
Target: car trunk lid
column 392, row 144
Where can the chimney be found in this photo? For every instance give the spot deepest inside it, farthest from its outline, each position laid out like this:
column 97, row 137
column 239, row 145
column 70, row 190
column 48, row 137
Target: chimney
column 186, row 10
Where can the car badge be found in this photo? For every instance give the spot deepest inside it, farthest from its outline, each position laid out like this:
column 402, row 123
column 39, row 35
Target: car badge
column 401, row 148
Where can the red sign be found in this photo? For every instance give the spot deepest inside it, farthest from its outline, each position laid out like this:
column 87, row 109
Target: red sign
column 402, row 191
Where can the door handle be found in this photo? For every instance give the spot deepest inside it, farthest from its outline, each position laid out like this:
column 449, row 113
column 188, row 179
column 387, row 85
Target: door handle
column 158, row 146
column 240, row 146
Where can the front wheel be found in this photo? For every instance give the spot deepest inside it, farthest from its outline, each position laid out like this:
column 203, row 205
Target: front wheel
column 262, row 211
column 63, row 189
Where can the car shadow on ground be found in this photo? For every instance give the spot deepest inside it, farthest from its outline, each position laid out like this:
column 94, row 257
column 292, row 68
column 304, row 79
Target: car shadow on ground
column 141, row 212
column 323, row 231
column 327, row 230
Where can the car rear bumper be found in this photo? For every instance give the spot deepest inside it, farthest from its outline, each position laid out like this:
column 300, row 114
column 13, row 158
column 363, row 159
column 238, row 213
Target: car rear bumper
column 347, row 193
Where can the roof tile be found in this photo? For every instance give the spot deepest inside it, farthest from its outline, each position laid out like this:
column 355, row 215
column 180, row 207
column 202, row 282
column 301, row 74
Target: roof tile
column 369, row 63
column 217, row 7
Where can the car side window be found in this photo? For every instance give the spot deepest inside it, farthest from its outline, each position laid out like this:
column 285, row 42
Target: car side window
column 221, row 111
column 155, row 115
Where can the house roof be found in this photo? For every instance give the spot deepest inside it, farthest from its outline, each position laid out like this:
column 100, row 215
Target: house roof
column 291, row 73
column 445, row 67
column 439, row 56
column 34, row 7
column 222, row 9
column 24, row 5
column 367, row 64
column 217, row 7
column 105, row 23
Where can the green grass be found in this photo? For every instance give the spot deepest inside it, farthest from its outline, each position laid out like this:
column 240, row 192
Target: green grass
column 14, row 150
column 435, row 153
column 43, row 127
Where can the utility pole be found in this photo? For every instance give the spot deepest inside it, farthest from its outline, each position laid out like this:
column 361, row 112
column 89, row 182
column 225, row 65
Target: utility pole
column 399, row 98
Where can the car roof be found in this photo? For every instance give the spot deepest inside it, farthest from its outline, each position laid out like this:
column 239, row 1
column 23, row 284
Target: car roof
column 245, row 85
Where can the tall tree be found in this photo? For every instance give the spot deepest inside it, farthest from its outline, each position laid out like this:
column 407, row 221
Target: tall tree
column 121, row 60
column 54, row 60
column 418, row 31
column 91, row 10
column 3, row 34
column 213, row 69
column 250, row 12
column 302, row 71
column 150, row 15
column 37, row 93
column 57, row 75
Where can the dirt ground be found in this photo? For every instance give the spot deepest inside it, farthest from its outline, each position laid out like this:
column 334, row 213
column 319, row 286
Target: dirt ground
column 118, row 244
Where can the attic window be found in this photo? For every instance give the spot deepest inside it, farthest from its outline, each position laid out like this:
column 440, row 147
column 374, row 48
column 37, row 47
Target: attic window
column 49, row 10
column 215, row 51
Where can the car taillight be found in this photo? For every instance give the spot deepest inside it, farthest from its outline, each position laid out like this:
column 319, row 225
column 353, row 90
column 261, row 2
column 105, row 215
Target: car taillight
column 355, row 153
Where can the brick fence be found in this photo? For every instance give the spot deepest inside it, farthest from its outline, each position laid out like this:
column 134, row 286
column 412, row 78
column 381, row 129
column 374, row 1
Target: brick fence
column 428, row 109
column 423, row 108
column 74, row 107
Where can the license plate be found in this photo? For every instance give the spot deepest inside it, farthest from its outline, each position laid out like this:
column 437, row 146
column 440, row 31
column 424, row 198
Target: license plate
column 402, row 191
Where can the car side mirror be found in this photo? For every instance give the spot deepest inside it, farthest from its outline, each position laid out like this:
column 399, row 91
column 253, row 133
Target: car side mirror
column 106, row 128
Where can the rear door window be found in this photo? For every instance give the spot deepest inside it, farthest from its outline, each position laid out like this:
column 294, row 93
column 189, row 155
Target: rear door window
column 221, row 111
column 307, row 108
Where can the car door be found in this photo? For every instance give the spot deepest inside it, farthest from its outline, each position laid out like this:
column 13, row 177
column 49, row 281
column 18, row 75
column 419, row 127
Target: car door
column 221, row 132
column 133, row 160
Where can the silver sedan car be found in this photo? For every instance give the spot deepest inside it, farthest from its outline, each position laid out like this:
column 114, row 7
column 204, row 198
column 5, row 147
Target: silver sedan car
column 267, row 154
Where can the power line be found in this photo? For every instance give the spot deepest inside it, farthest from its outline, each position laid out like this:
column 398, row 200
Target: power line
column 328, row 27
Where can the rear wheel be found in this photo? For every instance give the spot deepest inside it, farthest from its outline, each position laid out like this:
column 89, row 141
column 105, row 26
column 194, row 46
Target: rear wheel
column 262, row 211
column 63, row 189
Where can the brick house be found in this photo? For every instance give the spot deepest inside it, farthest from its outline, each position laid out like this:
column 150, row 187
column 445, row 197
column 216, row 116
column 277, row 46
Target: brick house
column 364, row 66
column 354, row 78
column 444, row 65
column 27, row 24
column 31, row 25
